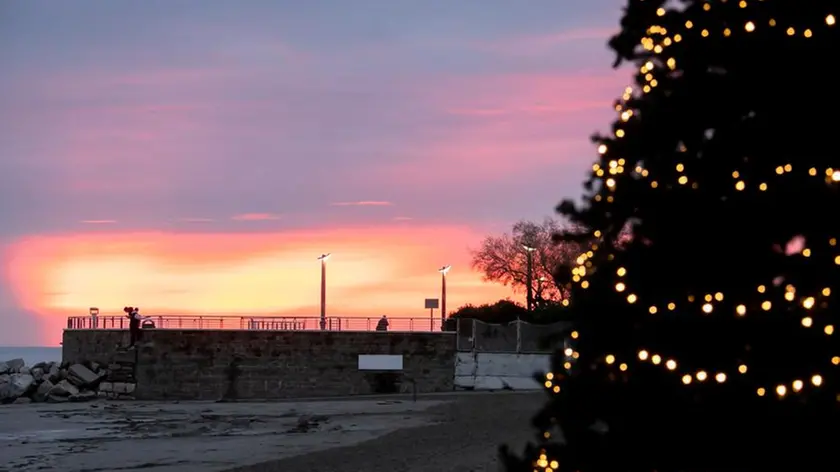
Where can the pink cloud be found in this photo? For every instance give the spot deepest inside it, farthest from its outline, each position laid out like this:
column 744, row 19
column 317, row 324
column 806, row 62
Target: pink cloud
column 168, row 77
column 196, row 220
column 363, row 203
column 521, row 94
column 477, row 111
column 98, row 222
column 256, row 217
column 402, row 218
column 546, row 43
column 507, row 125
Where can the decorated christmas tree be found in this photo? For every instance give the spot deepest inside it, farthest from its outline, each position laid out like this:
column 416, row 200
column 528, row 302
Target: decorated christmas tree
column 705, row 310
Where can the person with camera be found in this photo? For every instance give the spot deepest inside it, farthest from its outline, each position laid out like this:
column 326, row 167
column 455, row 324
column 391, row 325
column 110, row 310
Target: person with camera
column 134, row 330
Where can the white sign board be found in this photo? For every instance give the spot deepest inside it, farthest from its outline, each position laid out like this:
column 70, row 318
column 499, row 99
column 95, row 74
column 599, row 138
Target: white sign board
column 380, row 362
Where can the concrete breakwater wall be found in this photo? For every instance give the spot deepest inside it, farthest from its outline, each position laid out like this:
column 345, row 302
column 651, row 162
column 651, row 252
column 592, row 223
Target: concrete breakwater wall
column 232, row 364
column 499, row 371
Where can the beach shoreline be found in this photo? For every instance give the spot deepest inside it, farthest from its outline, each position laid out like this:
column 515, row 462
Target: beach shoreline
column 208, row 436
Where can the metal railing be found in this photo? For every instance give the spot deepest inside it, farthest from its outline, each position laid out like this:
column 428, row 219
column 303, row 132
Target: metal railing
column 271, row 323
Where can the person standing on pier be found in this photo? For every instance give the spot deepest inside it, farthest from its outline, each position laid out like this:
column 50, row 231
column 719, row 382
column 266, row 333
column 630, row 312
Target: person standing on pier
column 134, row 320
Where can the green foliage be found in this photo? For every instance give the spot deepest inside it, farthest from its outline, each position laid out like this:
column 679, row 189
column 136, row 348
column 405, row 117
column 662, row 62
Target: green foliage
column 706, row 332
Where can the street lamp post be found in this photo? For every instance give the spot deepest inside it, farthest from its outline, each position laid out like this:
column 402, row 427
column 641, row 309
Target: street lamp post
column 443, row 271
column 529, row 252
column 323, row 258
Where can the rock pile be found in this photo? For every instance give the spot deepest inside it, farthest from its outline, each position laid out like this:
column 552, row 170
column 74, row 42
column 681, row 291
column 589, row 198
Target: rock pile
column 58, row 382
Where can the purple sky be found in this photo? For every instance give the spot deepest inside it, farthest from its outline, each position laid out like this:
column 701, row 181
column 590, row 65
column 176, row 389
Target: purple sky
column 182, row 116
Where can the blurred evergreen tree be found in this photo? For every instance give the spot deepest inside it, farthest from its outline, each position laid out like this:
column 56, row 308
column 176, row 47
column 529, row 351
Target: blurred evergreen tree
column 706, row 338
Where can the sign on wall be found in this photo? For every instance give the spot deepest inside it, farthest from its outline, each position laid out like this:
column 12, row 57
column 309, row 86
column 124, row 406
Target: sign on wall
column 380, row 362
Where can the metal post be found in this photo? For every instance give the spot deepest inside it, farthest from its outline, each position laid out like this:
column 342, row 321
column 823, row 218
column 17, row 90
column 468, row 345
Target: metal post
column 530, row 281
column 518, row 336
column 442, row 299
column 431, row 319
column 323, row 294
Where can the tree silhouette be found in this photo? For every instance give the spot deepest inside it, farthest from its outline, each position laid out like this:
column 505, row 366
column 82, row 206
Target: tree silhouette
column 503, row 259
column 706, row 339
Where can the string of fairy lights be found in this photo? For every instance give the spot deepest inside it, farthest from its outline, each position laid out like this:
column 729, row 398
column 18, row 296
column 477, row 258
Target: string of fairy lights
column 658, row 40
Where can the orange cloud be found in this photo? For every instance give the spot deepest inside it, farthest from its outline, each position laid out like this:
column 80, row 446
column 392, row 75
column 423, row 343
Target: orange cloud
column 256, row 217
column 363, row 203
column 373, row 271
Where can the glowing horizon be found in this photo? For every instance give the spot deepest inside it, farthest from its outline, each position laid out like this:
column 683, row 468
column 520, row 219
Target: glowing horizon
column 372, row 271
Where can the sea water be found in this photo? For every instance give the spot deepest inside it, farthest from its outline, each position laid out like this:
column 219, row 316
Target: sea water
column 31, row 355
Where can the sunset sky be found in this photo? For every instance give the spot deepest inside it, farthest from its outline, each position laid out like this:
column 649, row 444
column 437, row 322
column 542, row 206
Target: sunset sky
column 197, row 156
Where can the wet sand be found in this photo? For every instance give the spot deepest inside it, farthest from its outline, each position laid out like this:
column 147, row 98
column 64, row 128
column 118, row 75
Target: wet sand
column 164, row 437
column 448, row 432
column 464, row 437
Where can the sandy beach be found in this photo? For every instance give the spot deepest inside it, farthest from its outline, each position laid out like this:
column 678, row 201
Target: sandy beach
column 457, row 432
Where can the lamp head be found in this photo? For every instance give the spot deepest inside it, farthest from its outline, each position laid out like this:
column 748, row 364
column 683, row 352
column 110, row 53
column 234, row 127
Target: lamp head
column 445, row 269
column 324, row 257
column 528, row 248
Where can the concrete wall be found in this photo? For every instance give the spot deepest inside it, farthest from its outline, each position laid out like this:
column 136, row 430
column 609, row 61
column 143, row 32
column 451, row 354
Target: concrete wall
column 497, row 371
column 209, row 365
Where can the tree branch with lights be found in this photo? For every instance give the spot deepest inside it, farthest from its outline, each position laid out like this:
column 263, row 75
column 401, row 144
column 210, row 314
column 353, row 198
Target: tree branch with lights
column 704, row 309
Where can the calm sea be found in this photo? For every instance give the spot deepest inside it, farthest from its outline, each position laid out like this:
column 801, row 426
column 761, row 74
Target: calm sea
column 31, row 355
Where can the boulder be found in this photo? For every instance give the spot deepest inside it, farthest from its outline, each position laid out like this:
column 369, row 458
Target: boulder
column 17, row 386
column 15, row 365
column 42, row 391
column 62, row 382
column 81, row 376
column 63, row 389
column 54, row 373
column 37, row 373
